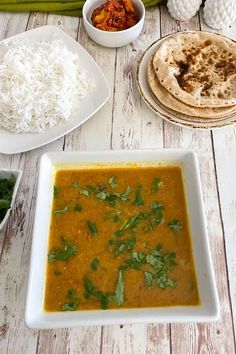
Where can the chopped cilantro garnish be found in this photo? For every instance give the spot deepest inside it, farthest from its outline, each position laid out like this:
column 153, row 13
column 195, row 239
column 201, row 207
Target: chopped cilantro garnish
column 161, row 263
column 82, row 191
column 64, row 253
column 130, row 223
column 113, row 217
column 94, row 264
column 57, row 272
column 56, row 191
column 78, row 207
column 118, row 297
column 112, row 182
column 122, row 245
column 101, row 195
column 175, row 225
column 73, row 301
column 126, row 194
column 138, row 196
column 92, row 228
column 61, row 211
column 148, row 279
column 155, row 185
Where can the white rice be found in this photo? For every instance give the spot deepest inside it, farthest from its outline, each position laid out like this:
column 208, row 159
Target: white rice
column 41, row 85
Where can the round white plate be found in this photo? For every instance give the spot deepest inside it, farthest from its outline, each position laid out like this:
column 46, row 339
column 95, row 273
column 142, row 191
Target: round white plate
column 14, row 143
column 152, row 103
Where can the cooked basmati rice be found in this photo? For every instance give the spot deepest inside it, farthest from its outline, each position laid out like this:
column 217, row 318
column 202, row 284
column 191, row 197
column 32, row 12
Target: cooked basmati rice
column 41, row 85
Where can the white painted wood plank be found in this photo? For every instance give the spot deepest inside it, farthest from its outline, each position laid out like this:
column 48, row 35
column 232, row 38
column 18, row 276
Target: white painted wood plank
column 95, row 134
column 216, row 337
column 224, row 142
column 135, row 126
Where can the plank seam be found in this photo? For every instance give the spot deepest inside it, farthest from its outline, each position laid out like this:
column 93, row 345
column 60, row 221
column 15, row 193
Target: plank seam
column 113, row 102
column 101, row 340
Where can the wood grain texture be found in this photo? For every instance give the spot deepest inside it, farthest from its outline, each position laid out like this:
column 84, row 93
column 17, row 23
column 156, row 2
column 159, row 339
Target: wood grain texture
column 124, row 122
column 202, row 338
column 224, row 145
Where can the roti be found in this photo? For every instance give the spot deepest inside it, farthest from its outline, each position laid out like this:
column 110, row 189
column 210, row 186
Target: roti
column 198, row 68
column 176, row 107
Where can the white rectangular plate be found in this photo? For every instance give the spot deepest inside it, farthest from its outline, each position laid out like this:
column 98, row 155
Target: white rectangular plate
column 14, row 143
column 208, row 310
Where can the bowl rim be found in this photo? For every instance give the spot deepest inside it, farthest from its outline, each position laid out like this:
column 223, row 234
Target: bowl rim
column 87, row 6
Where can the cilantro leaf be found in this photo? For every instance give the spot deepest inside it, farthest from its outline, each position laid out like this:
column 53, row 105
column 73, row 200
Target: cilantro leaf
column 73, row 301
column 94, row 264
column 82, row 191
column 92, row 228
column 78, row 207
column 122, row 245
column 175, row 225
column 148, row 279
column 61, row 211
column 155, row 185
column 112, row 182
column 138, row 196
column 63, row 254
column 118, row 297
column 56, row 191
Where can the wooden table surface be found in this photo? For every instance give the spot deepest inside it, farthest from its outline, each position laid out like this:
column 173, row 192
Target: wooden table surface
column 124, row 122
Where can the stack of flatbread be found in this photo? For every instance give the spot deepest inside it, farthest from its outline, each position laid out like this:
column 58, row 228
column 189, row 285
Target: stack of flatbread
column 192, row 76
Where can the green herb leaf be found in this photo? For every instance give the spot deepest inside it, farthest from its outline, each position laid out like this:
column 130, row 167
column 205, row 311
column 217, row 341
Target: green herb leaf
column 73, row 301
column 94, row 264
column 91, row 291
column 89, row 288
column 112, row 182
column 61, row 211
column 130, row 223
column 175, row 225
column 101, row 195
column 56, row 272
column 138, row 196
column 122, row 245
column 5, row 204
column 115, row 217
column 165, row 282
column 148, row 279
column 82, row 191
column 104, row 299
column 6, row 191
column 92, row 228
column 119, row 292
column 78, row 207
column 139, row 257
column 155, row 185
column 126, row 194
column 63, row 254
column 56, row 191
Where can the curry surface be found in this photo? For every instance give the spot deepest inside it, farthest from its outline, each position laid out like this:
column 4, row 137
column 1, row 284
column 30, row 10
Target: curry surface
column 65, row 275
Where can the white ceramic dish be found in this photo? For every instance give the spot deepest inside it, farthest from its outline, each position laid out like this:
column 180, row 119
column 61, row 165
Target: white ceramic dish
column 36, row 317
column 112, row 39
column 5, row 173
column 152, row 103
column 14, row 143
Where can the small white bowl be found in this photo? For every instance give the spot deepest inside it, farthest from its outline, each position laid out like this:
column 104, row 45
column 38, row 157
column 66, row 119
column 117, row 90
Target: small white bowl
column 112, row 39
column 5, row 173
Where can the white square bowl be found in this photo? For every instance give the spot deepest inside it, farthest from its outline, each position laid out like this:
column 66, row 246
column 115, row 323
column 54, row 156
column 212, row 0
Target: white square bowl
column 15, row 143
column 208, row 310
column 6, row 173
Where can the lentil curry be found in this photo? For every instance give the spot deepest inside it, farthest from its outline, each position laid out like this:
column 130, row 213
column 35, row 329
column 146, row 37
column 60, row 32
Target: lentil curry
column 119, row 238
